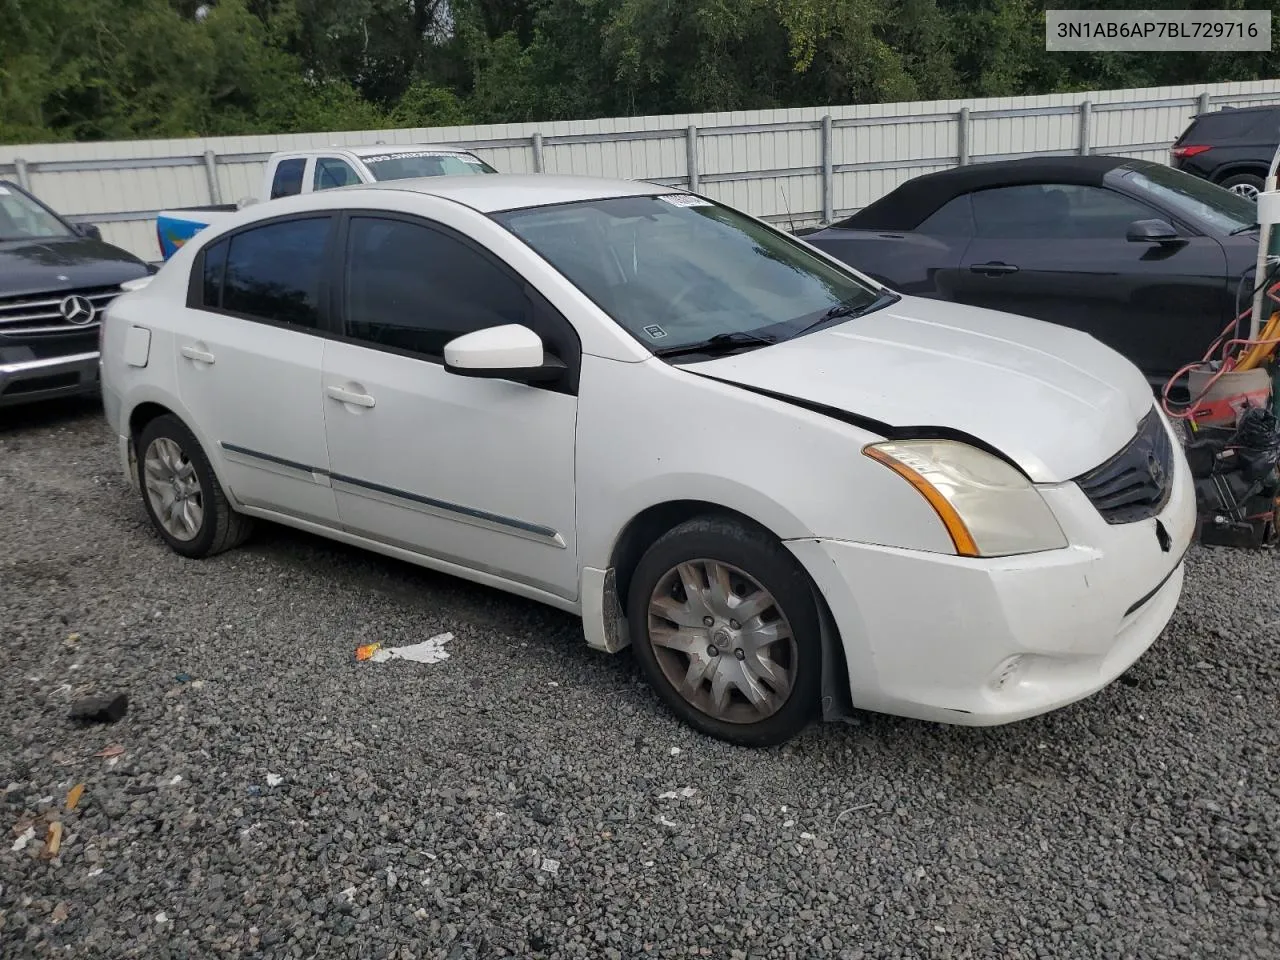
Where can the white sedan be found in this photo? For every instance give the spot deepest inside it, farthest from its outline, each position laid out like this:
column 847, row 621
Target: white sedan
column 792, row 491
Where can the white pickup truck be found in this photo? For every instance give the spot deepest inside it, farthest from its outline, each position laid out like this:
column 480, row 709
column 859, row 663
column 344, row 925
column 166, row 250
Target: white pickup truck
column 322, row 168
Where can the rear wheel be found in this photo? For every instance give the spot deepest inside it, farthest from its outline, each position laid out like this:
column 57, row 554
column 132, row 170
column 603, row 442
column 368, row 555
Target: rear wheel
column 181, row 494
column 1244, row 184
column 725, row 628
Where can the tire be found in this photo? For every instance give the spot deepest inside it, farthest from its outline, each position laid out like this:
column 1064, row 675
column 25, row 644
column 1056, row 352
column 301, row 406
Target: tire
column 784, row 675
column 211, row 526
column 1245, row 184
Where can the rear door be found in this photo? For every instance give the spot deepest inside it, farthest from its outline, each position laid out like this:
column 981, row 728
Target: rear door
column 1059, row 252
column 249, row 353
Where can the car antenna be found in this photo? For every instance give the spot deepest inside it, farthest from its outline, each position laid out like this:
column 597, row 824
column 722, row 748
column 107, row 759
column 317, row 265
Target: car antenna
column 786, row 205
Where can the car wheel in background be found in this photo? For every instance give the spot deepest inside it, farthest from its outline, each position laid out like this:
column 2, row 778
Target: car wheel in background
column 181, row 494
column 725, row 627
column 1245, row 184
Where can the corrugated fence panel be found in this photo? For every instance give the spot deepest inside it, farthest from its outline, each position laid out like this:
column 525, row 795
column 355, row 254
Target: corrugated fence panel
column 768, row 162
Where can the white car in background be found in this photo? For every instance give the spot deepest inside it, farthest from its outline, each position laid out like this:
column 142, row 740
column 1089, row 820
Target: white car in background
column 791, row 490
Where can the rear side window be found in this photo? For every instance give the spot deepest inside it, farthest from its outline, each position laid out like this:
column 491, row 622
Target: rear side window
column 274, row 272
column 1213, row 128
column 215, row 265
column 952, row 219
column 288, row 178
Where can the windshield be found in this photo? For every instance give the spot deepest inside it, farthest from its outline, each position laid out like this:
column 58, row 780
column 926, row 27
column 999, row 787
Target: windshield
column 424, row 163
column 1198, row 200
column 676, row 270
column 21, row 218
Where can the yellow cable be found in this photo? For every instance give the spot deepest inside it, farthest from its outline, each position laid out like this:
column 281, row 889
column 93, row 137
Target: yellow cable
column 1258, row 352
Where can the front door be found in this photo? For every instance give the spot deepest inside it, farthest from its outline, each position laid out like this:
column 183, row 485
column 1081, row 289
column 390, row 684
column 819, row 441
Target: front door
column 248, row 363
column 473, row 472
column 1059, row 252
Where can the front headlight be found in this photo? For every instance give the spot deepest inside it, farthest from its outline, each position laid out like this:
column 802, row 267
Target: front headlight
column 988, row 507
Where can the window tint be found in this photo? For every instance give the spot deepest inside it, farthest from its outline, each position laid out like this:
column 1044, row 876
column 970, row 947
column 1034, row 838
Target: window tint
column 331, row 172
column 288, row 178
column 1055, row 211
column 953, row 219
column 273, row 272
column 415, row 288
column 215, row 262
column 1265, row 126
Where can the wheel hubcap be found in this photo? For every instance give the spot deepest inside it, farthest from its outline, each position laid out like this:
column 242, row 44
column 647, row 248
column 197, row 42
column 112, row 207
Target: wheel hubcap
column 173, row 488
column 722, row 641
column 1246, row 190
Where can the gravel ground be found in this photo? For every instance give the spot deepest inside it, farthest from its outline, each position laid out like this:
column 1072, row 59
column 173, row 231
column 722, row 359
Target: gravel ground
column 275, row 798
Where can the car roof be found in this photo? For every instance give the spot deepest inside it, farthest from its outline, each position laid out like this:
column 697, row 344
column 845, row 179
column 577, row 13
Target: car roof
column 914, row 201
column 1229, row 110
column 494, row 192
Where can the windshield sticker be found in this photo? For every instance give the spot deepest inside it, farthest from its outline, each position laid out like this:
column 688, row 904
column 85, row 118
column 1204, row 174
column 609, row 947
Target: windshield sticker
column 684, row 200
column 655, row 332
column 415, row 153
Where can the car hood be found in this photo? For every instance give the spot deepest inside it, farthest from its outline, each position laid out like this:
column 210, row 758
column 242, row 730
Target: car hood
column 30, row 267
column 1053, row 400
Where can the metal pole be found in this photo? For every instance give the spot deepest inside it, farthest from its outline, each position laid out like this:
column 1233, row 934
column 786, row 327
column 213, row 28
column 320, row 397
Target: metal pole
column 828, row 177
column 962, row 136
column 536, row 141
column 691, row 156
column 211, row 174
column 1086, row 114
column 1203, row 105
column 24, row 181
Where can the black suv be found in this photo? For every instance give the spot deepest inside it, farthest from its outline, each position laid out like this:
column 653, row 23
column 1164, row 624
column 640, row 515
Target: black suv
column 1230, row 147
column 55, row 279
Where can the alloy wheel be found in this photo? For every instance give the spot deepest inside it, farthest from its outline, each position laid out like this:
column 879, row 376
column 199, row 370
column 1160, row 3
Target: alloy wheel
column 1247, row 190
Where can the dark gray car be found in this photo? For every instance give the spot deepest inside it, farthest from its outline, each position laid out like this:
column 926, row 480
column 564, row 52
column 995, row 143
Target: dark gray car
column 1145, row 258
column 55, row 280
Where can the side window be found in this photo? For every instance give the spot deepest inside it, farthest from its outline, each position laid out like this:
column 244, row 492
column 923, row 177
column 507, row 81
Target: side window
column 274, row 272
column 952, row 219
column 332, row 172
column 1055, row 211
column 288, row 178
column 215, row 264
column 415, row 288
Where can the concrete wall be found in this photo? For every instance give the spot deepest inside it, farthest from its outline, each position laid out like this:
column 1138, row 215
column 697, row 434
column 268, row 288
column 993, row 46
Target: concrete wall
column 786, row 165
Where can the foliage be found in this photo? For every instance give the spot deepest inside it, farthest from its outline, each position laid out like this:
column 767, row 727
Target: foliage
column 106, row 69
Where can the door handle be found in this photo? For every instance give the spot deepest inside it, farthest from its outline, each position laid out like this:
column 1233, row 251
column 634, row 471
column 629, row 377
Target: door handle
column 343, row 395
column 993, row 269
column 198, row 355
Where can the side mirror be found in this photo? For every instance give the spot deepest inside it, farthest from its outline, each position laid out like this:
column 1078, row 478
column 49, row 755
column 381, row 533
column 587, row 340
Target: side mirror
column 1152, row 231
column 89, row 230
column 509, row 352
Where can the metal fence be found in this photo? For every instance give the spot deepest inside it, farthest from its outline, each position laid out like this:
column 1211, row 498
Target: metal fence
column 795, row 166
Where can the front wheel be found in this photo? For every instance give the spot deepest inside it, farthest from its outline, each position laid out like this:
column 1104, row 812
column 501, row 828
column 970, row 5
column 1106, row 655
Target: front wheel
column 725, row 628
column 181, row 494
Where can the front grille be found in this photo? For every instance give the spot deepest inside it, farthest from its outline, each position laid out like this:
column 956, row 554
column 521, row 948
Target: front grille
column 1135, row 483
column 41, row 315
